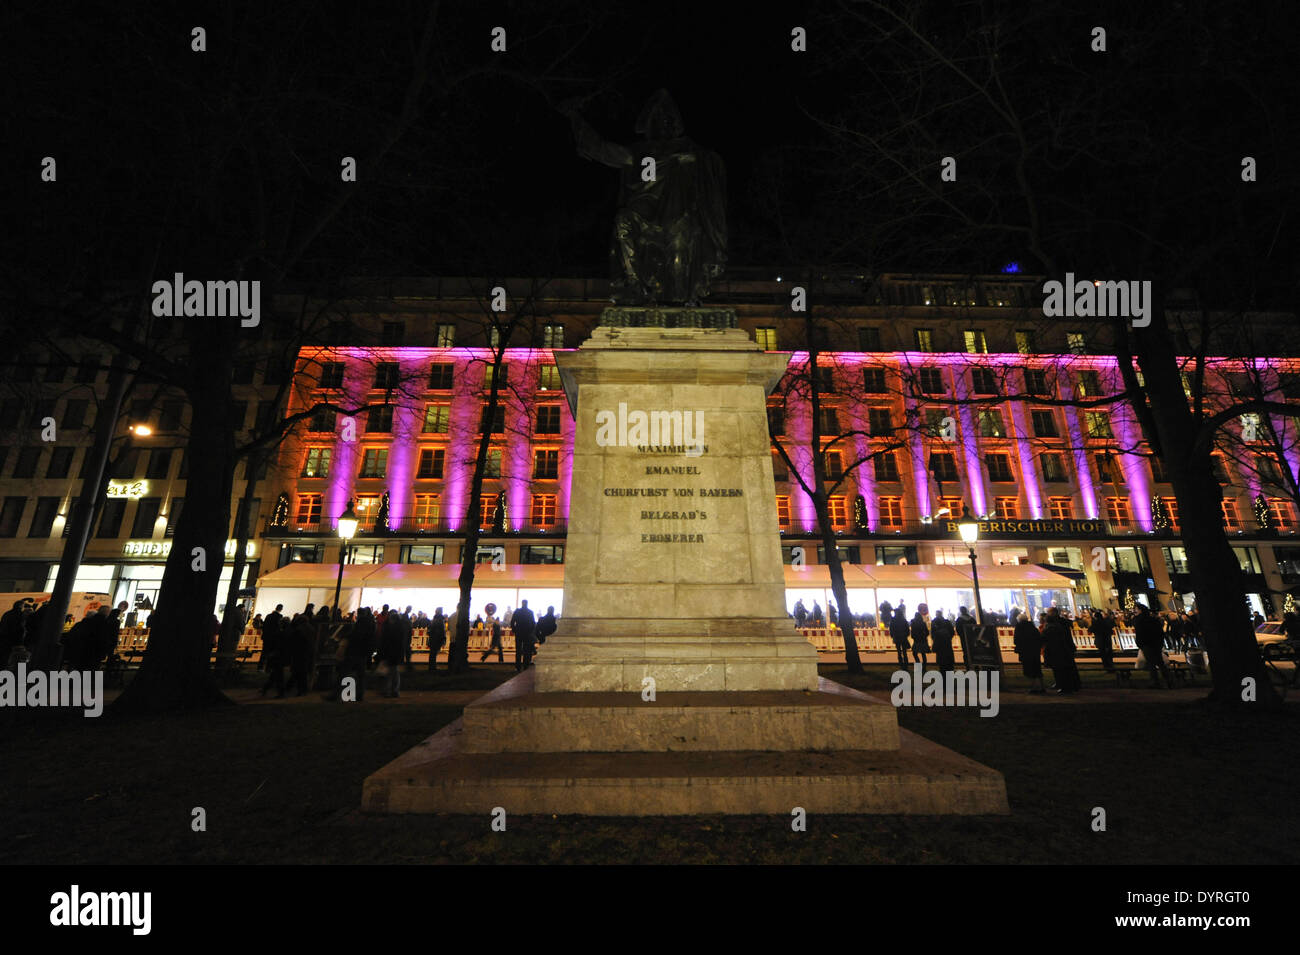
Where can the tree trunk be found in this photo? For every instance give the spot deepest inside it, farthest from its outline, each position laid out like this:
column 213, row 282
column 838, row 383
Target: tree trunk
column 175, row 672
column 829, row 545
column 46, row 656
column 231, row 624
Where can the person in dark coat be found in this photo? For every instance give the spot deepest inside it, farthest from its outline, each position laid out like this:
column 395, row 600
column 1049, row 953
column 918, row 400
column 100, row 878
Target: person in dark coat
column 965, row 625
column 437, row 637
column 899, row 630
column 546, row 625
column 301, row 646
column 920, row 638
column 1059, row 646
column 941, row 633
column 525, row 627
column 358, row 646
column 800, row 613
column 1149, row 636
column 13, row 628
column 817, row 619
column 1029, row 649
column 1102, row 629
column 494, row 627
column 275, row 655
column 391, row 652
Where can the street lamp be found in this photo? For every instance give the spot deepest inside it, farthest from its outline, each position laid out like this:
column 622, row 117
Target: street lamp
column 140, row 430
column 347, row 528
column 969, row 528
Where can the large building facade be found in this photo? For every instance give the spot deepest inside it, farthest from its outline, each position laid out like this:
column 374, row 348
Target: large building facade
column 922, row 395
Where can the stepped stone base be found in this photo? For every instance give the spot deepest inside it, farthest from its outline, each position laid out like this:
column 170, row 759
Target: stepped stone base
column 450, row 772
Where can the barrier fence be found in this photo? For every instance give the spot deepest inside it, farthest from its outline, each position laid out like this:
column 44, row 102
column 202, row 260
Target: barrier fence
column 133, row 640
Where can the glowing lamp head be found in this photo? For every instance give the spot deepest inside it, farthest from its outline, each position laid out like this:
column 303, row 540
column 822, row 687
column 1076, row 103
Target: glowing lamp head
column 141, row 430
column 968, row 527
column 348, row 523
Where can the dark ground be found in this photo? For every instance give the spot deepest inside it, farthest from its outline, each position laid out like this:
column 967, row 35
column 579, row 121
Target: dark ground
column 1181, row 782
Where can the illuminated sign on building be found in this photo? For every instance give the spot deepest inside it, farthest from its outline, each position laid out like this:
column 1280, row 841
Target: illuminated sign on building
column 1037, row 527
column 164, row 548
column 134, row 491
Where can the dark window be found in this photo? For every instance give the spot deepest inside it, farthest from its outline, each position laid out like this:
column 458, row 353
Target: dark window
column 541, row 554
column 11, row 515
column 160, row 463
column 60, row 463
column 1036, row 382
column 833, row 465
column 386, row 375
column 548, row 419
column 379, row 420
column 983, row 381
column 110, row 520
column 128, row 463
column 322, row 420
column 174, row 516
column 931, row 381
column 1159, row 474
column 238, row 414
column 25, row 466
column 47, row 508
column 879, row 423
column 146, row 512
column 826, row 380
column 394, row 333
column 498, row 421
column 74, row 413
column 779, row 471
column 1054, row 468
column 944, row 466
column 278, row 372
column 775, row 421
column 172, row 412
column 87, row 371
column 886, row 466
column 546, row 465
column 1044, row 423
column 828, row 421
column 265, row 416
column 441, row 377
column 868, row 338
column 430, row 464
column 873, row 381
column 183, row 472
column 331, row 374
column 999, row 466
column 243, row 373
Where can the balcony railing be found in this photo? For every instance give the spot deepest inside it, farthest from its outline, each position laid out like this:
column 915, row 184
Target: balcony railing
column 410, row 527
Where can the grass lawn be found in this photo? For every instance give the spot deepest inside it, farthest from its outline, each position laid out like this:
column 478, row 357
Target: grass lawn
column 1180, row 783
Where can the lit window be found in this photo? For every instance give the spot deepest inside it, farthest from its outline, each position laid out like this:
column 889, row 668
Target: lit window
column 543, row 514
column 490, row 374
column 1171, row 508
column 1231, row 519
column 374, row 462
column 446, row 336
column 308, row 513
column 1060, row 508
column 783, row 512
column 548, row 378
column 426, row 512
column 1098, row 423
column 1025, row 342
column 1076, row 343
column 839, row 511
column 924, row 339
column 949, row 507
column 317, row 464
column 436, row 419
column 552, row 336
column 1054, row 468
column 976, row 344
column 1283, row 514
column 834, row 465
column 766, row 338
column 991, row 424
column 891, row 512
column 1118, row 513
column 366, row 507
column 1007, row 508
column 492, row 466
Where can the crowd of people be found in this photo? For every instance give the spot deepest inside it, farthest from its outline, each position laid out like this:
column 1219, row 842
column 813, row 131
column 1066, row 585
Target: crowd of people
column 84, row 644
column 381, row 641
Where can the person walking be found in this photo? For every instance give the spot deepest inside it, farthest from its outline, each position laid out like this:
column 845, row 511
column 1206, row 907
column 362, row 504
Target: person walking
column 1102, row 629
column 800, row 613
column 546, row 625
column 437, row 638
column 391, row 654
column 358, row 645
column 941, row 633
column 920, row 638
column 1059, row 646
column 899, row 631
column 1148, row 635
column 493, row 625
column 525, row 627
column 271, row 624
column 1029, row 650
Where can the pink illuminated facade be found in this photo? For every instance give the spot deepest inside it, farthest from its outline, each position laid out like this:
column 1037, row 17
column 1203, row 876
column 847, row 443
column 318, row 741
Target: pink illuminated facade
column 936, row 393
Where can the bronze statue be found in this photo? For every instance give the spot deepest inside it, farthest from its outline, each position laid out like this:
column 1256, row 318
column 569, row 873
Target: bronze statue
column 670, row 234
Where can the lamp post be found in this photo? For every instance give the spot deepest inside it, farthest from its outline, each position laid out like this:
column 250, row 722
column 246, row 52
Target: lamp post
column 347, row 528
column 970, row 535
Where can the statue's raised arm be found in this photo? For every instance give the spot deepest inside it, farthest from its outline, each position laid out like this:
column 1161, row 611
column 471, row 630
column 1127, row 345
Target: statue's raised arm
column 670, row 233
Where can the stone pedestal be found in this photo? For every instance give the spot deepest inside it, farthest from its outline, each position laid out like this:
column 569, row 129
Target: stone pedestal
column 673, row 560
